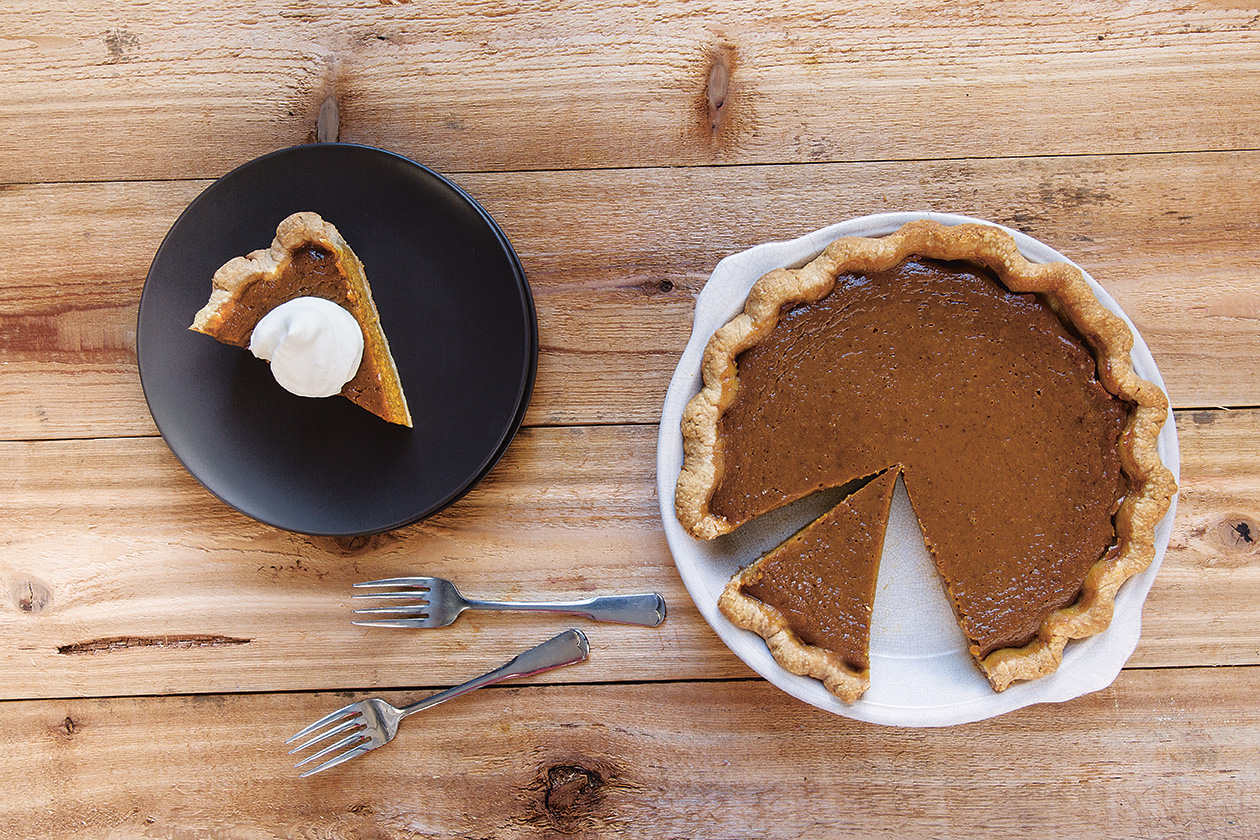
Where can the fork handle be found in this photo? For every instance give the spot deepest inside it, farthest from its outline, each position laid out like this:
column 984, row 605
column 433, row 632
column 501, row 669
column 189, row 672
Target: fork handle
column 564, row 649
column 646, row 609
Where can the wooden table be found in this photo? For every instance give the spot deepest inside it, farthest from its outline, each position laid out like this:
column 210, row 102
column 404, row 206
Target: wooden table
column 156, row 642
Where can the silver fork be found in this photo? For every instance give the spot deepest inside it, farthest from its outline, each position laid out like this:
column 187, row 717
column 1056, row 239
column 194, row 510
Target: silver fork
column 439, row 603
column 373, row 723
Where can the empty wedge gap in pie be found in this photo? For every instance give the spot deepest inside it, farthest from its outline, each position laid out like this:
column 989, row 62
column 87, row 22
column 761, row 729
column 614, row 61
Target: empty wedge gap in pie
column 1003, row 394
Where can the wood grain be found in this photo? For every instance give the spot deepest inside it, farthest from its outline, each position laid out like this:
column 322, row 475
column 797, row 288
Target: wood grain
column 1217, row 538
column 1172, row 237
column 140, row 582
column 1160, row 754
column 469, row 86
column 155, row 645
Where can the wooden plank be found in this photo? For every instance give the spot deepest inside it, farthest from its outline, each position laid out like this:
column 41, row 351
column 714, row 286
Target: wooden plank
column 1171, row 236
column 468, row 87
column 1170, row 753
column 1214, row 547
column 137, row 581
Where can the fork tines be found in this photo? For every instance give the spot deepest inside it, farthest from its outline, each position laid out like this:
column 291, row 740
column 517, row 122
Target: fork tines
column 354, row 744
column 417, row 584
column 408, row 615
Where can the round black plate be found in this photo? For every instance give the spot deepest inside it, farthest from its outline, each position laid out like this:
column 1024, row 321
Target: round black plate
column 455, row 307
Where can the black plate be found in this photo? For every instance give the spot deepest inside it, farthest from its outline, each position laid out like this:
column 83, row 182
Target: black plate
column 454, row 304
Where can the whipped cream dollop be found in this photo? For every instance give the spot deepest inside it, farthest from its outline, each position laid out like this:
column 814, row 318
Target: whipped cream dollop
column 314, row 346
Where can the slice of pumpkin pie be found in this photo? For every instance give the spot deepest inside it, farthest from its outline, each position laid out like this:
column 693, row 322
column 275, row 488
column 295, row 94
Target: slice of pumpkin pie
column 1003, row 391
column 308, row 258
column 811, row 597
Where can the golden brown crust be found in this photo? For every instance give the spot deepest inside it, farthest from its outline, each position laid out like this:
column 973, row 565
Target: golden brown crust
column 1151, row 484
column 297, row 231
column 786, row 647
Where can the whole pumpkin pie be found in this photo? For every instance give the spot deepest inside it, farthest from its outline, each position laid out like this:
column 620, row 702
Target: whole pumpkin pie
column 307, row 258
column 1002, row 392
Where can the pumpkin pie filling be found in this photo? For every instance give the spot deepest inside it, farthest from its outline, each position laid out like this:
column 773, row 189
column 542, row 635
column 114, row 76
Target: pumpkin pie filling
column 1001, row 390
column 986, row 400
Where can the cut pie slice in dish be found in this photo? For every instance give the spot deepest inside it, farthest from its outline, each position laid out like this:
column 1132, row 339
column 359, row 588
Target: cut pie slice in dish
column 1004, row 392
column 811, row 597
column 307, row 258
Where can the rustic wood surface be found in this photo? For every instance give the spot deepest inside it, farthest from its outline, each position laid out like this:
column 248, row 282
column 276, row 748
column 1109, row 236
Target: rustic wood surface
column 157, row 643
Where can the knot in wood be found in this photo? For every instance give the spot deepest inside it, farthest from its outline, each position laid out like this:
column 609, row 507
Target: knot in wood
column 716, row 105
column 64, row 730
column 718, row 86
column 328, row 123
column 719, row 82
column 30, row 596
column 1231, row 542
column 348, row 546
column 652, row 287
column 1240, row 533
column 570, row 788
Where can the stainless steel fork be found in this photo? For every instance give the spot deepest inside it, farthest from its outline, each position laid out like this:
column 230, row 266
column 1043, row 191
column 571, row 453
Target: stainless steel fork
column 373, row 723
column 438, row 603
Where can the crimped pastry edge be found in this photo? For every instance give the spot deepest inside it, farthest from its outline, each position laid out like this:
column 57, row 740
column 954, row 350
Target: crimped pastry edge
column 787, row 648
column 238, row 272
column 1151, row 484
column 293, row 232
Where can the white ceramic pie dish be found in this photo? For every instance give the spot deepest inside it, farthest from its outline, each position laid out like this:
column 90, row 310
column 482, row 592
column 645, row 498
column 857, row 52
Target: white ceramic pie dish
column 921, row 672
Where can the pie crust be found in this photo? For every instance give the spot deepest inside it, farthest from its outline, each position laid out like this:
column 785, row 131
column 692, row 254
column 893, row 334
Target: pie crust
column 264, row 277
column 1065, row 290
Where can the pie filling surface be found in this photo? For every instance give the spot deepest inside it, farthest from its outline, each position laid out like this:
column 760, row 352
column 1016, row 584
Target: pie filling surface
column 1016, row 457
column 308, row 258
column 1011, row 467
